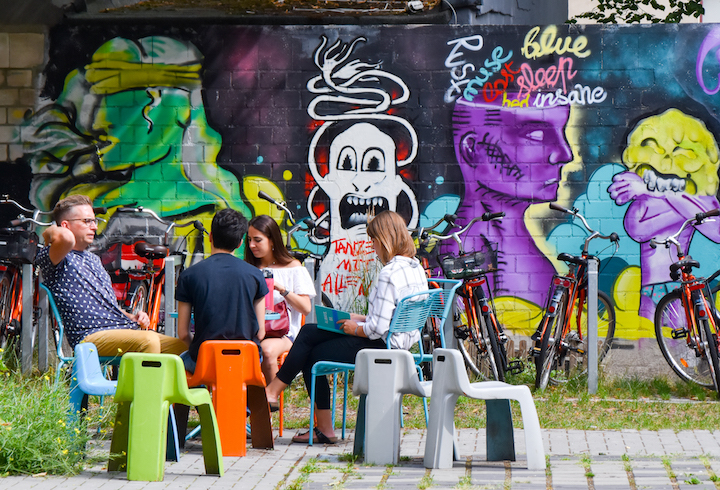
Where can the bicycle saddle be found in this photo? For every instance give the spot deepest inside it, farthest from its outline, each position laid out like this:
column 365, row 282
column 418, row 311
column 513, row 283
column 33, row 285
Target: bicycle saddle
column 686, row 262
column 152, row 252
column 571, row 258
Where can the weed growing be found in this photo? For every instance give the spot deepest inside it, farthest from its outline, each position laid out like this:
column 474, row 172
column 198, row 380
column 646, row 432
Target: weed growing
column 36, row 435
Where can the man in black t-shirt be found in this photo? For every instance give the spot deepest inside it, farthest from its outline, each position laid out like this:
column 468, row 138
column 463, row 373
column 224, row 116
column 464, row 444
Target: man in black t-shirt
column 225, row 294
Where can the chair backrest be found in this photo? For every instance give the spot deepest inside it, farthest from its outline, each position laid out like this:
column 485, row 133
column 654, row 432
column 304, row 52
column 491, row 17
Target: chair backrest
column 61, row 328
column 449, row 371
column 217, row 358
column 390, row 370
column 443, row 304
column 86, row 367
column 153, row 377
column 412, row 312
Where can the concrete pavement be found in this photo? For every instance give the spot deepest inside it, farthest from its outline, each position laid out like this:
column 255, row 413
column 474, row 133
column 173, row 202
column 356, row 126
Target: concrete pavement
column 577, row 459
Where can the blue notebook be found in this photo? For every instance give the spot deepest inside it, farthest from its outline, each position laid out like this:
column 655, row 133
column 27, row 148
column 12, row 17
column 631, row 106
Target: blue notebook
column 327, row 318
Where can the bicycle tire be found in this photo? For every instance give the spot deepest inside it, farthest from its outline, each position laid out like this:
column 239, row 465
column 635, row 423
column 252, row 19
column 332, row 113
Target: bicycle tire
column 5, row 309
column 468, row 343
column 679, row 353
column 573, row 358
column 605, row 326
column 549, row 351
column 430, row 342
column 711, row 348
column 139, row 301
column 488, row 357
column 498, row 355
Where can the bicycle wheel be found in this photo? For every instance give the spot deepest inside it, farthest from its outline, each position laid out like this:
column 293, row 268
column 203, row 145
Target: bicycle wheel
column 679, row 352
column 139, row 298
column 709, row 340
column 5, row 309
column 471, row 345
column 550, row 360
column 430, row 341
column 605, row 329
column 499, row 358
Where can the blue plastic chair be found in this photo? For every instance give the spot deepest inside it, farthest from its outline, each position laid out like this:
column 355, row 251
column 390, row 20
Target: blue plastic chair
column 410, row 314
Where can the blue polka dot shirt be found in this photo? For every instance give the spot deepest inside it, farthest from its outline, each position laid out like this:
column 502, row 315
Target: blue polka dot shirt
column 83, row 292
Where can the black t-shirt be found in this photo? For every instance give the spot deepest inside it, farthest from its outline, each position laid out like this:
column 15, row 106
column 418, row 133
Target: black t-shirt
column 222, row 290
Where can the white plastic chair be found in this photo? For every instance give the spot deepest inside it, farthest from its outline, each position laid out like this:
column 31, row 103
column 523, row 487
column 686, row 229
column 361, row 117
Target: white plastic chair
column 385, row 375
column 450, row 380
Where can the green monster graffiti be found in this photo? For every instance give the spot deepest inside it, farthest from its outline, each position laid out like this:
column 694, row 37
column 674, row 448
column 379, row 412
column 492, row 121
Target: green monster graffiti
column 130, row 129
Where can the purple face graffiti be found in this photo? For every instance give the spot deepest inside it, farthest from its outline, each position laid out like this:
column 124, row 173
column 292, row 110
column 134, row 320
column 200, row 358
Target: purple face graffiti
column 510, row 159
column 517, row 152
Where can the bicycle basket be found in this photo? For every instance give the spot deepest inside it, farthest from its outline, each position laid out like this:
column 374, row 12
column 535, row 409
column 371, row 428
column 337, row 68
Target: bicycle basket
column 467, row 265
column 20, row 245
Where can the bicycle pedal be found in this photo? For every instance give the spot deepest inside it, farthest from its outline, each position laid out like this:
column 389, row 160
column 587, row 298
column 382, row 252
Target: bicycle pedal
column 679, row 333
column 535, row 337
column 462, row 332
column 515, row 367
column 535, row 351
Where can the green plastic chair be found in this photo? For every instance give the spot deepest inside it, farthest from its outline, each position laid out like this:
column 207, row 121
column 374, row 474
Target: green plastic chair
column 147, row 385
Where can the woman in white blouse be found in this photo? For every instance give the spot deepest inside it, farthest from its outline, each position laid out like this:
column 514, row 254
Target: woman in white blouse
column 400, row 276
column 264, row 249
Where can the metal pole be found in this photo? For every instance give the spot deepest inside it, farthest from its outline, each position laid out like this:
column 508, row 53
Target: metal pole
column 170, row 310
column 592, row 302
column 43, row 337
column 310, row 266
column 26, row 335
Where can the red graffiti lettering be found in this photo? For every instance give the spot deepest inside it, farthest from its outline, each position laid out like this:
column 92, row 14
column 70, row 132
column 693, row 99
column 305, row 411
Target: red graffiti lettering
column 530, row 81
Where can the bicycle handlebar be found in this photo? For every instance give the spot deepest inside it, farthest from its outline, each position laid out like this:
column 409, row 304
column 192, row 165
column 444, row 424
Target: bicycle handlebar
column 698, row 219
column 170, row 224
column 613, row 237
column 455, row 235
column 23, row 219
column 280, row 205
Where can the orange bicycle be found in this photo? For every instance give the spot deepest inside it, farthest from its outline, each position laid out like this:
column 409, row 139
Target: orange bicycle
column 141, row 288
column 686, row 320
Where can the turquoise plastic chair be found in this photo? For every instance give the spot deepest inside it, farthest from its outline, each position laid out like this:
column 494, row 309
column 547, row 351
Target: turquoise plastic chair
column 410, row 314
column 147, row 385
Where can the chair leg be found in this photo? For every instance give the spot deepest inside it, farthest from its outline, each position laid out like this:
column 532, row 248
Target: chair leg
column 533, row 436
column 173, row 443
column 345, row 400
column 182, row 413
column 441, row 432
column 212, row 450
column 147, row 444
column 359, row 443
column 261, row 434
column 119, row 444
column 312, row 409
column 281, row 419
column 499, row 438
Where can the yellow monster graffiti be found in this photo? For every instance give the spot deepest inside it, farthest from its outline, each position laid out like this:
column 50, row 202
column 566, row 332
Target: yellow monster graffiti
column 672, row 162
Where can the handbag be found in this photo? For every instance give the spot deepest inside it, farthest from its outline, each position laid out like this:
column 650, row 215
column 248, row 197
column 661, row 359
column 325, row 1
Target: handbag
column 281, row 326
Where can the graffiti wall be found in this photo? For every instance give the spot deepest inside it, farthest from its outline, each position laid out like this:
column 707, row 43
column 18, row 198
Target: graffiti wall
column 620, row 122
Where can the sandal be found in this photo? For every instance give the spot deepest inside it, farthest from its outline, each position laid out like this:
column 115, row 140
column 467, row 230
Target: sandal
column 319, row 437
column 274, row 406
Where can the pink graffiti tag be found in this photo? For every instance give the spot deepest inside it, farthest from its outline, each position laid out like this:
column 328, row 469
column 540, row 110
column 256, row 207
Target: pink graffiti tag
column 711, row 41
column 530, row 81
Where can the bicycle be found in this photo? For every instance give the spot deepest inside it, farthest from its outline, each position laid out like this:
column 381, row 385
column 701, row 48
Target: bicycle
column 140, row 288
column 686, row 320
column 481, row 338
column 18, row 246
column 559, row 348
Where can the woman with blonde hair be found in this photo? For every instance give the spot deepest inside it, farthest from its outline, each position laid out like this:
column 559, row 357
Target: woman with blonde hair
column 400, row 276
column 293, row 285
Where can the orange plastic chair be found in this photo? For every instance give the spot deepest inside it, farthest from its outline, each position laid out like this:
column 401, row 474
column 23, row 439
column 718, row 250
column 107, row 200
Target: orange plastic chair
column 281, row 419
column 231, row 371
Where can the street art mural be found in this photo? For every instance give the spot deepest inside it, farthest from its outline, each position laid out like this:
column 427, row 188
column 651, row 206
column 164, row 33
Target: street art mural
column 620, row 122
column 359, row 173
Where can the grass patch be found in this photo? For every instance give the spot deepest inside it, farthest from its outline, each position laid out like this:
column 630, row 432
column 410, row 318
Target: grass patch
column 619, row 404
column 36, row 435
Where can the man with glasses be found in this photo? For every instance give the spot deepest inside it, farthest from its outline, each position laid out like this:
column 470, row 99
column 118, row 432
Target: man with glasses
column 83, row 291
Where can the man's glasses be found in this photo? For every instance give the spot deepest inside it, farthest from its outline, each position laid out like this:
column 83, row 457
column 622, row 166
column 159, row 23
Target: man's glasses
column 88, row 221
